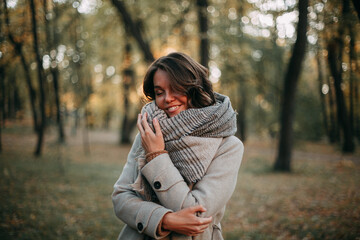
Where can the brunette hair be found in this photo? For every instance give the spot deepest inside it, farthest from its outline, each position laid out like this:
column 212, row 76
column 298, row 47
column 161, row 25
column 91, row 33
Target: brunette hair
column 187, row 77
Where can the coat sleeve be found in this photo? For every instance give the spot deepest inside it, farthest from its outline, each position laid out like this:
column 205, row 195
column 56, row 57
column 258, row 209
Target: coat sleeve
column 141, row 215
column 213, row 191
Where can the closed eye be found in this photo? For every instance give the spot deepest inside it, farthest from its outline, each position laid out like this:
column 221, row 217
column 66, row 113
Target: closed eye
column 158, row 92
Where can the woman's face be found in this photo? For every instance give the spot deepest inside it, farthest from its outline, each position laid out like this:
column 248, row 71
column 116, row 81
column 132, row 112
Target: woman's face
column 166, row 99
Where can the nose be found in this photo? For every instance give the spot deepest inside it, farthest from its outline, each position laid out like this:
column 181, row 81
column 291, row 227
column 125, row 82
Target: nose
column 169, row 97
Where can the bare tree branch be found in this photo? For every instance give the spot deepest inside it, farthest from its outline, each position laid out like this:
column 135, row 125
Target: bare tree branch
column 132, row 28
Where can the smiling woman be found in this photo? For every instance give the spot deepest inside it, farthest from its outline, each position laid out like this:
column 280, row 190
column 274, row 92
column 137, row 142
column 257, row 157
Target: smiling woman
column 183, row 165
column 184, row 76
column 167, row 99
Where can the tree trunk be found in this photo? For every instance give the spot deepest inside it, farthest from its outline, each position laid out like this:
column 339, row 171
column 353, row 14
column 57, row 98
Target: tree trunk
column 19, row 51
column 357, row 110
column 135, row 31
column 354, row 86
column 128, row 80
column 82, row 87
column 322, row 96
column 335, row 56
column 42, row 122
column 241, row 120
column 51, row 44
column 13, row 97
column 283, row 160
column 2, row 103
column 1, row 134
column 203, row 27
column 357, row 7
column 348, row 143
column 327, row 101
column 125, row 138
column 86, row 142
column 59, row 119
column 352, row 78
column 334, row 123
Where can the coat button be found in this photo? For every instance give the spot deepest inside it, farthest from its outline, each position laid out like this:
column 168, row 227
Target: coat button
column 140, row 226
column 157, row 185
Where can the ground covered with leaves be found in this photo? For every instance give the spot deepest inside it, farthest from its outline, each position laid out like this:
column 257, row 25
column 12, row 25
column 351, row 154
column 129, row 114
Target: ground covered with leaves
column 65, row 193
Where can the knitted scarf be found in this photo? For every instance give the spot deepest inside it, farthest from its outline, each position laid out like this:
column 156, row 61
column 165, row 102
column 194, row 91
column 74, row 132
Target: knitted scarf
column 192, row 137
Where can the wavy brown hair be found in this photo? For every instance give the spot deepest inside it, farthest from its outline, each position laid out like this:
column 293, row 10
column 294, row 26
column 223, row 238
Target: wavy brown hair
column 187, row 77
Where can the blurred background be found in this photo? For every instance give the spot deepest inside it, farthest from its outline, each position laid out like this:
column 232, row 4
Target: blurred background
column 71, row 76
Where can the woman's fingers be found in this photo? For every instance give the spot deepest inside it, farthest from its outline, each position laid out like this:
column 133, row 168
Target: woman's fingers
column 197, row 208
column 145, row 124
column 186, row 222
column 139, row 125
column 157, row 127
column 151, row 141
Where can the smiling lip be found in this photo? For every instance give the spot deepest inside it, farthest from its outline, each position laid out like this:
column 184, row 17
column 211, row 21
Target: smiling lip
column 173, row 109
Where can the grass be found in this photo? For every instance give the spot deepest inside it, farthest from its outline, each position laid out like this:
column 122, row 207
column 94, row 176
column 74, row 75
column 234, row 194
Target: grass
column 65, row 194
column 41, row 201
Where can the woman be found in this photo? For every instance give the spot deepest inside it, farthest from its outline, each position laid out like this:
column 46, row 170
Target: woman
column 183, row 165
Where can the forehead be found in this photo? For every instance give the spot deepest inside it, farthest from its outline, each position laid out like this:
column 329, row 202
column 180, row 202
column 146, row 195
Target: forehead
column 161, row 79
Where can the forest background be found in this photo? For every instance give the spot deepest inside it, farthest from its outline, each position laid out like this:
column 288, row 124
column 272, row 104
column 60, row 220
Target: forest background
column 71, row 74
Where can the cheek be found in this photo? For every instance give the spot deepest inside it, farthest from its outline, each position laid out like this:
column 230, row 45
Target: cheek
column 158, row 102
column 185, row 101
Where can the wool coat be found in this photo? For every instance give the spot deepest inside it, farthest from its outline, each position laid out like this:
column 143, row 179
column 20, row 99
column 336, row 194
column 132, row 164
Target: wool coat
column 213, row 192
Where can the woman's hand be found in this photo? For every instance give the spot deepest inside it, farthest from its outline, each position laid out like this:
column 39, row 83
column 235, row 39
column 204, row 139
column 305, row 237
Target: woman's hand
column 151, row 141
column 186, row 222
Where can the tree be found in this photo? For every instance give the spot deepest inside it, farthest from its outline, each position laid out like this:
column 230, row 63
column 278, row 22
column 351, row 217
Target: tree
column 134, row 30
column 290, row 83
column 51, row 43
column 42, row 120
column 357, row 7
column 18, row 47
column 203, row 28
column 2, row 104
column 335, row 58
column 128, row 81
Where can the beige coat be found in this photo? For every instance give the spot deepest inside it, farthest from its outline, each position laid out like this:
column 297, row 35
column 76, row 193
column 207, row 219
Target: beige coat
column 213, row 192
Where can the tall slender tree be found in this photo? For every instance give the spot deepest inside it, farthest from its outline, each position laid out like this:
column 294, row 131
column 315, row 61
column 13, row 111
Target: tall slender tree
column 40, row 72
column 18, row 47
column 132, row 29
column 321, row 81
column 335, row 58
column 128, row 81
column 283, row 160
column 52, row 42
column 203, row 29
column 354, row 85
column 241, row 119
